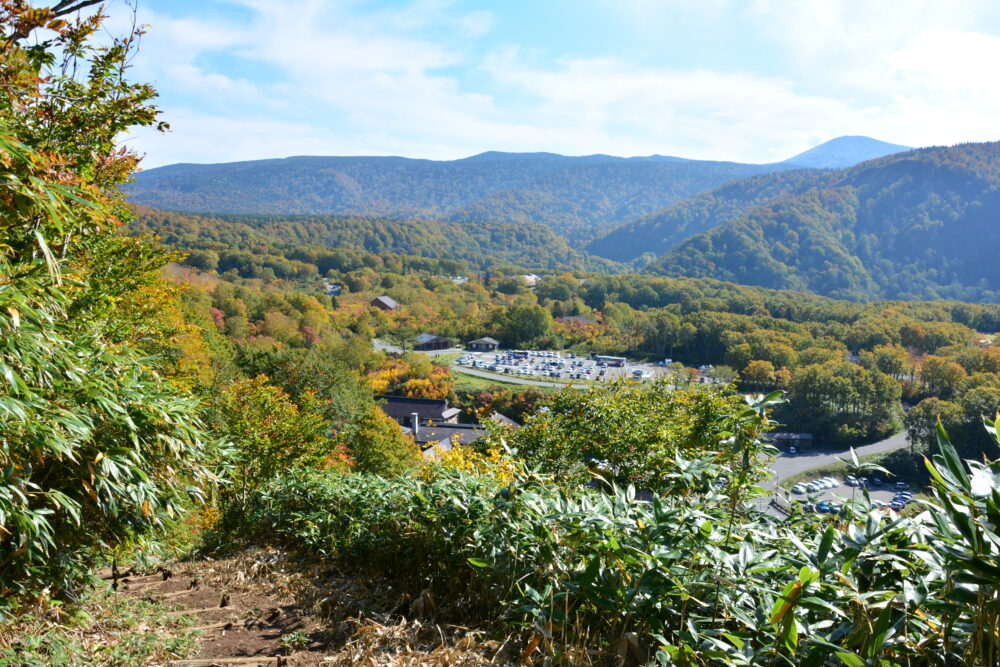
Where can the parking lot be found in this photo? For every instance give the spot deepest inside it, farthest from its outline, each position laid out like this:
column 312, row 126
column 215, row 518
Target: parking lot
column 813, row 493
column 559, row 366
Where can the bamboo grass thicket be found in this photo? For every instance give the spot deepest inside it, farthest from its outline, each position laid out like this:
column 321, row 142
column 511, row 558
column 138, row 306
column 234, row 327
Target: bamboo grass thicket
column 683, row 578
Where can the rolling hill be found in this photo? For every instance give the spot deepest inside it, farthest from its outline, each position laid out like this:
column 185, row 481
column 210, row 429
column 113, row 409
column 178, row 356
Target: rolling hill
column 574, row 196
column 915, row 225
column 480, row 245
column 579, row 198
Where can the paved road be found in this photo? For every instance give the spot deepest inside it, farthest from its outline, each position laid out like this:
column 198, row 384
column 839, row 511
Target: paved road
column 786, row 466
column 385, row 347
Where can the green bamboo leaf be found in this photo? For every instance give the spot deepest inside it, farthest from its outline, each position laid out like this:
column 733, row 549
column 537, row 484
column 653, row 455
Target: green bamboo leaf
column 825, row 544
column 951, row 459
column 850, row 660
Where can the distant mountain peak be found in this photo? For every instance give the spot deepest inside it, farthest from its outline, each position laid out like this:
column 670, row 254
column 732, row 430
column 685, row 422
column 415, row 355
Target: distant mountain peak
column 495, row 156
column 844, row 152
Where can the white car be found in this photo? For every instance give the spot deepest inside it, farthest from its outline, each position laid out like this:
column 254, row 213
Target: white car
column 799, row 488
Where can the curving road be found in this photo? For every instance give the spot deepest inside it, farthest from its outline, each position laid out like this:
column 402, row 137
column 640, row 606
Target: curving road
column 785, row 466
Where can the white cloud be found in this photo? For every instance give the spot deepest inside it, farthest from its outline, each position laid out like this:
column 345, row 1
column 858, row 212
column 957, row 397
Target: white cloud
column 340, row 78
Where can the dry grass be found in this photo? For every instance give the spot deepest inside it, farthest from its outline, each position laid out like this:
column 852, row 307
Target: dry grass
column 370, row 623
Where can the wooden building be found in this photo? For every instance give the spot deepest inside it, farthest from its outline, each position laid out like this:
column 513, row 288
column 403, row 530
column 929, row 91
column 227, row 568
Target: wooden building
column 426, row 342
column 486, row 344
column 385, row 303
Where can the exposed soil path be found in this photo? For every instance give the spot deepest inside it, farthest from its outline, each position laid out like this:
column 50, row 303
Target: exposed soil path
column 240, row 623
column 262, row 608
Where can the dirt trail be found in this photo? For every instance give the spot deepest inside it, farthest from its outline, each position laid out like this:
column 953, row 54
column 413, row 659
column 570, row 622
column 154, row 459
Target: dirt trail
column 241, row 624
column 258, row 609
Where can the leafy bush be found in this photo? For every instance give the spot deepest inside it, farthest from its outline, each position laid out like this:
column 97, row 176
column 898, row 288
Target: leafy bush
column 380, row 447
column 629, row 431
column 270, row 433
column 682, row 578
column 97, row 445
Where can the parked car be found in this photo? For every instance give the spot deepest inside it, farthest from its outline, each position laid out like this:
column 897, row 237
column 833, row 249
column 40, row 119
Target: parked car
column 902, row 486
column 799, row 488
column 897, row 506
column 851, row 480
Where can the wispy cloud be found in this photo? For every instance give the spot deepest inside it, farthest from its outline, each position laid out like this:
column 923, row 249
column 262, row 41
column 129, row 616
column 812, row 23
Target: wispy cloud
column 428, row 79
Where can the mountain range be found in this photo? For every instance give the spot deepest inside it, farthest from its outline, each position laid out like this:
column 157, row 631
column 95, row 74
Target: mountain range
column 913, row 224
column 577, row 197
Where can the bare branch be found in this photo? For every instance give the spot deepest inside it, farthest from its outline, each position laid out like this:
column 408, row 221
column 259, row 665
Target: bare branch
column 64, row 7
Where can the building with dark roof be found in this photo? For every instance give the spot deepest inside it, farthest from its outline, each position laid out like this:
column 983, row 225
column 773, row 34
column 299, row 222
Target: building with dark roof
column 435, row 438
column 385, row 303
column 426, row 341
column 485, row 344
column 403, row 408
column 786, row 440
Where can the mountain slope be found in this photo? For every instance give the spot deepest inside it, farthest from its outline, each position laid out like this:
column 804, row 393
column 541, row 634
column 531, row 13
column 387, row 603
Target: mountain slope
column 657, row 233
column 583, row 201
column 920, row 224
column 479, row 244
column 844, row 152
column 572, row 195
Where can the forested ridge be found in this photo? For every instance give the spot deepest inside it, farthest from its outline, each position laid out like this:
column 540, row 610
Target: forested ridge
column 574, row 196
column 472, row 244
column 911, row 226
column 658, row 233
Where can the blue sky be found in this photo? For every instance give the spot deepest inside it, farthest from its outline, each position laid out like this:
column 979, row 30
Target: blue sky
column 754, row 81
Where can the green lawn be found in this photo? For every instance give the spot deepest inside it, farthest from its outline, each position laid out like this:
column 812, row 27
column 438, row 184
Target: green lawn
column 474, row 383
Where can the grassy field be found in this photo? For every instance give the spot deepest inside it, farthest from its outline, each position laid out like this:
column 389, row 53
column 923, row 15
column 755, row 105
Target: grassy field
column 474, row 383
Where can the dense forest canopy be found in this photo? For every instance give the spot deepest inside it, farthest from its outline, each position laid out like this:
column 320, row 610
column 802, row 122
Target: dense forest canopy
column 658, row 233
column 573, row 196
column 899, row 226
column 918, row 225
column 470, row 244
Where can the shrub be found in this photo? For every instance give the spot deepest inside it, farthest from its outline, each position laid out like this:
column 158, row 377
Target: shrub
column 678, row 579
column 380, row 447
